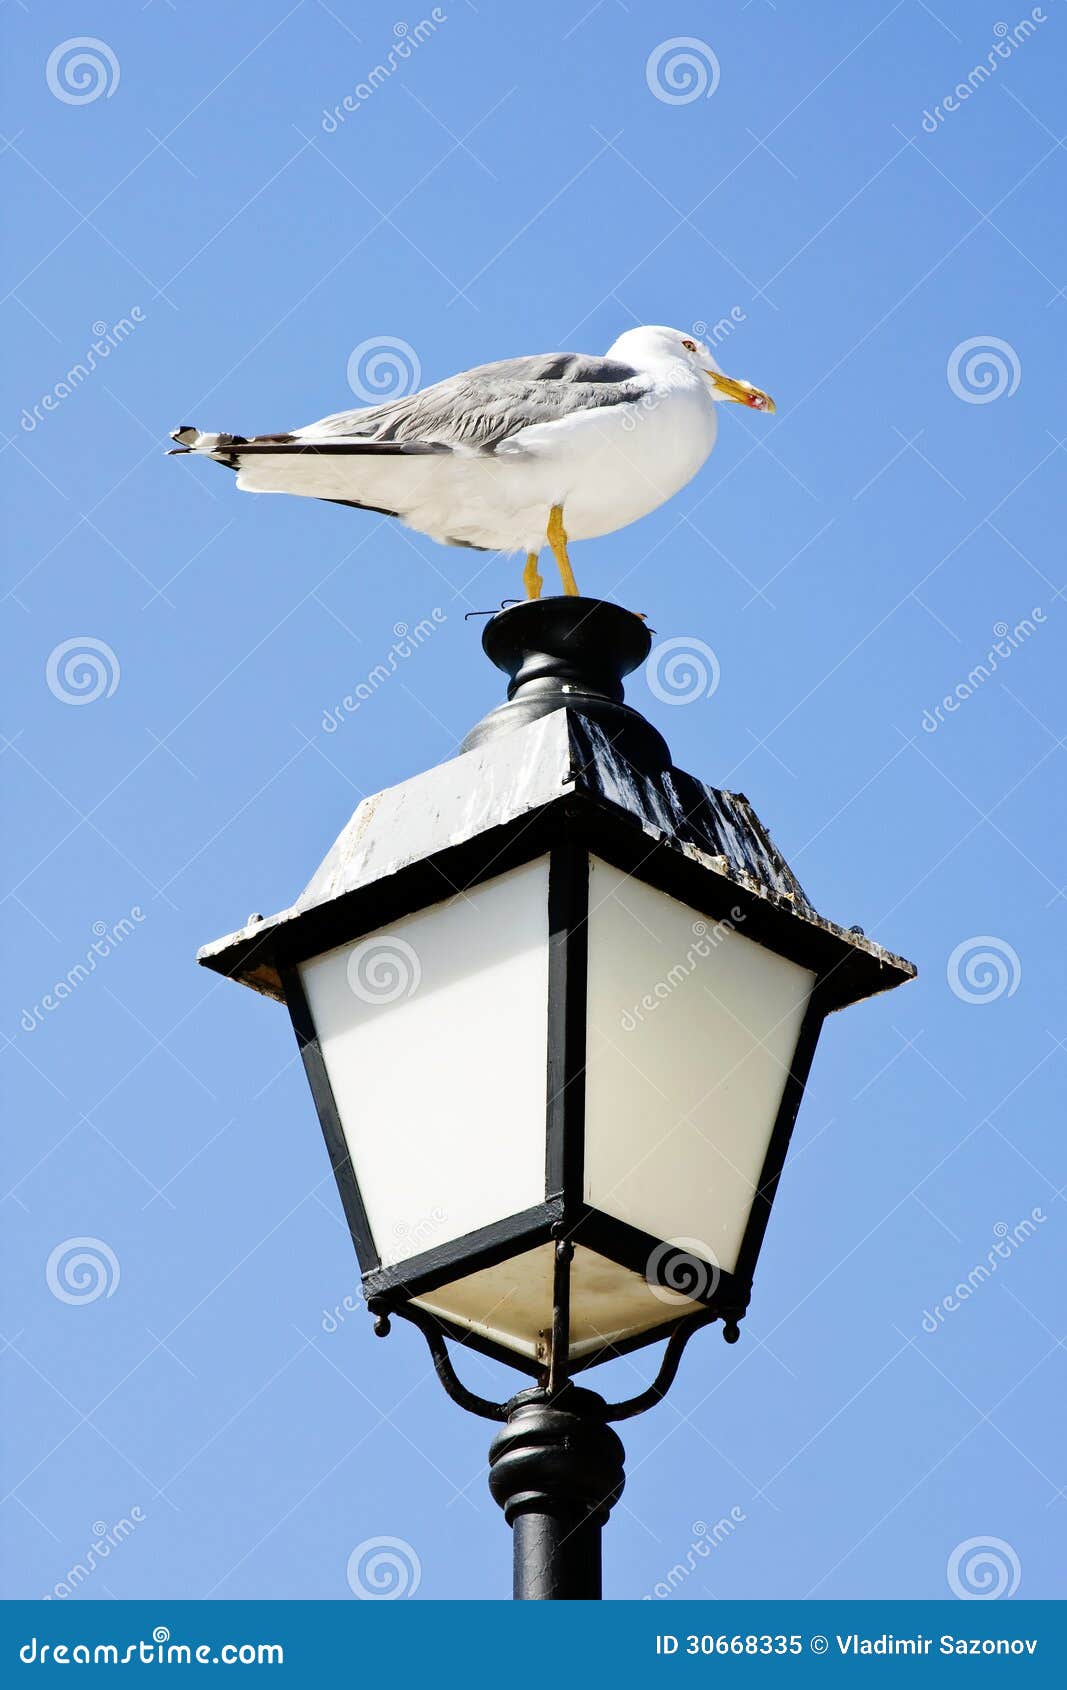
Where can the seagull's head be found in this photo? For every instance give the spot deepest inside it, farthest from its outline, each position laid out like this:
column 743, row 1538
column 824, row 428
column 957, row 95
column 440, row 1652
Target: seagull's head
column 653, row 345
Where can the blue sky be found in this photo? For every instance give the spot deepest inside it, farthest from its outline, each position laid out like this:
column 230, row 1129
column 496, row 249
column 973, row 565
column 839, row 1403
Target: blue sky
column 518, row 183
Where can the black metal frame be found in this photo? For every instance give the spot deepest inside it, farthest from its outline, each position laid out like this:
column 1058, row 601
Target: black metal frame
column 564, row 1213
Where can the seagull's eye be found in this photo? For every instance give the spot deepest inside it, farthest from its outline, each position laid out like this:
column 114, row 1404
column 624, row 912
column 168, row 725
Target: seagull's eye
column 690, row 345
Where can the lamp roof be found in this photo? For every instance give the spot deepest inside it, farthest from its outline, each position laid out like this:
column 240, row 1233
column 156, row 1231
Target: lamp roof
column 563, row 759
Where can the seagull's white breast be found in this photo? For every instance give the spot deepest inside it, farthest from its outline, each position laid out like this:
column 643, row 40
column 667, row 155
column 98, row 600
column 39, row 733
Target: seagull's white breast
column 628, row 461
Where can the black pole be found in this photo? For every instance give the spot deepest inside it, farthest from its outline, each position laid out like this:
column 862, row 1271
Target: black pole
column 556, row 1469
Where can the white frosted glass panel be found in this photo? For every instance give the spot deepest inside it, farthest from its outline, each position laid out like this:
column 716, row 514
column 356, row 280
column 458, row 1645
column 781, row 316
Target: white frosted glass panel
column 692, row 1028
column 512, row 1303
column 433, row 1032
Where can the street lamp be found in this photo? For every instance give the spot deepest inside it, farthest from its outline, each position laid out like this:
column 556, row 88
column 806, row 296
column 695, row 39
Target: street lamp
column 557, row 1002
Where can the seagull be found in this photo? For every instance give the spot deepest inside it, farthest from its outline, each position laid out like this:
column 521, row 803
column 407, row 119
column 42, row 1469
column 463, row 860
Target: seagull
column 555, row 447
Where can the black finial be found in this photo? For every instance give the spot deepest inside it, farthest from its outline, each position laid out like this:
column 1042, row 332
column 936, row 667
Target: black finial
column 382, row 1323
column 573, row 654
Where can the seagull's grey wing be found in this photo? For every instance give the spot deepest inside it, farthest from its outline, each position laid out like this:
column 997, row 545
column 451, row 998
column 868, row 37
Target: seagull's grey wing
column 479, row 410
column 484, row 407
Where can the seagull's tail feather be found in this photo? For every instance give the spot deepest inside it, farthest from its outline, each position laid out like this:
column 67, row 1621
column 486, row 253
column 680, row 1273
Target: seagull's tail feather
column 227, row 447
column 386, row 476
column 194, row 440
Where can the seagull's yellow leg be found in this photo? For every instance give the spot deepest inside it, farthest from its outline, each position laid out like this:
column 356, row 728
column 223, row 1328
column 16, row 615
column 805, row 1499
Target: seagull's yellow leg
column 531, row 578
column 557, row 539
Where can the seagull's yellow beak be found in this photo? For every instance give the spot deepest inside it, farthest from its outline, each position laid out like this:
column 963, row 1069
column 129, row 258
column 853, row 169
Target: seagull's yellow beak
column 742, row 391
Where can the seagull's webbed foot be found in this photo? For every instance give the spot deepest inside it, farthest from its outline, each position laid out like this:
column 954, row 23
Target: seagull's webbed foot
column 531, row 577
column 557, row 539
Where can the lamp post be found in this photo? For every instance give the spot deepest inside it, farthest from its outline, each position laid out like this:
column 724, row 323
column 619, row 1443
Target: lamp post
column 602, row 987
